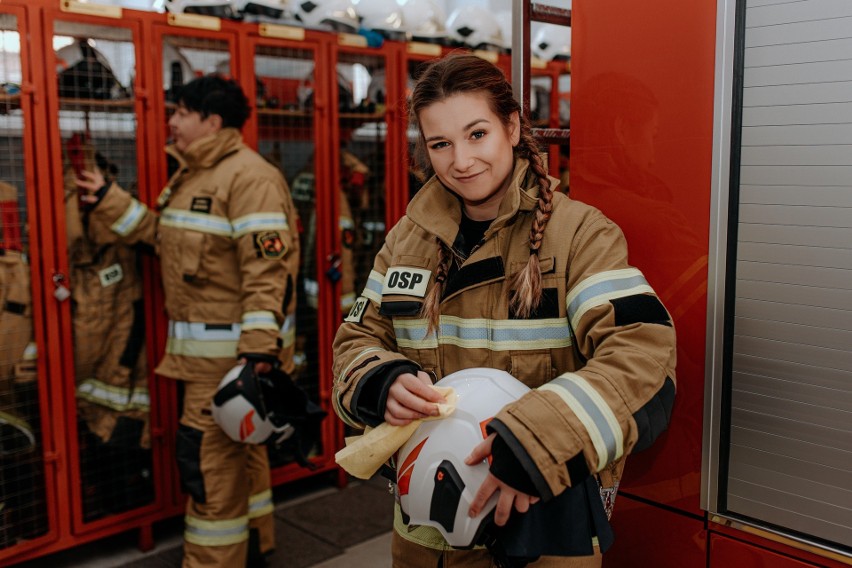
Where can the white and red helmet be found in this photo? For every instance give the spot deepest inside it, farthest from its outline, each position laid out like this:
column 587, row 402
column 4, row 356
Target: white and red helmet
column 241, row 409
column 435, row 486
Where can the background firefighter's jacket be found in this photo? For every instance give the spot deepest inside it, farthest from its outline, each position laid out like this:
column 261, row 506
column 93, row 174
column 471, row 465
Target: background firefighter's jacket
column 229, row 251
column 108, row 316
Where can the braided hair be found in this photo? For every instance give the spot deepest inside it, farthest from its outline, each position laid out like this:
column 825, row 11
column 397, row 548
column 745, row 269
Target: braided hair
column 463, row 73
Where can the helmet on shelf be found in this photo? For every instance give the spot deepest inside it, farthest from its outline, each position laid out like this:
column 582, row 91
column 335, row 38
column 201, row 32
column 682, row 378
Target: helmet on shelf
column 85, row 73
column 177, row 71
column 476, row 27
column 424, row 21
column 552, row 42
column 435, row 486
column 263, row 9
column 338, row 15
column 217, row 8
column 245, row 407
column 381, row 16
column 504, row 20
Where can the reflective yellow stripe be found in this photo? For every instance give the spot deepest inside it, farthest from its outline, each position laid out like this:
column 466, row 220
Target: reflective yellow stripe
column 375, row 284
column 200, row 348
column 260, row 504
column 193, row 221
column 130, row 219
column 117, row 398
column 347, row 301
column 260, row 319
column 257, row 222
column 216, row 533
column 342, row 413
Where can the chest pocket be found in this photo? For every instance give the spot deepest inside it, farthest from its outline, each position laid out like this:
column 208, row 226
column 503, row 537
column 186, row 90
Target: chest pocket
column 405, row 286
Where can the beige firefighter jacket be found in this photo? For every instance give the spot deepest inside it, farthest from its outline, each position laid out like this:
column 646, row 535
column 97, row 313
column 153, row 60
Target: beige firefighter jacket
column 599, row 351
column 229, row 251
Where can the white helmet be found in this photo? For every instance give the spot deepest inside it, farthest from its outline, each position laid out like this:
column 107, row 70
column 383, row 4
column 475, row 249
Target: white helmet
column 475, row 27
column 382, row 16
column 435, row 486
column 85, row 73
column 552, row 42
column 262, row 9
column 217, row 8
column 504, row 20
column 177, row 71
column 424, row 21
column 243, row 407
column 340, row 15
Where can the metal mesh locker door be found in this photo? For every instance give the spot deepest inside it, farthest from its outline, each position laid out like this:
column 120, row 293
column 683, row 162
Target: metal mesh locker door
column 97, row 124
column 23, row 507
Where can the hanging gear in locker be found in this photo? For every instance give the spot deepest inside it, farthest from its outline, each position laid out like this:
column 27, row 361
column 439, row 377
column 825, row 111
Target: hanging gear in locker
column 109, row 352
column 21, row 501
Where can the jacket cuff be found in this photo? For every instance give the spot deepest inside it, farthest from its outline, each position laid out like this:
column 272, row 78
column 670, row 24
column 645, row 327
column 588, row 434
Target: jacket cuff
column 261, row 342
column 511, row 464
column 371, row 394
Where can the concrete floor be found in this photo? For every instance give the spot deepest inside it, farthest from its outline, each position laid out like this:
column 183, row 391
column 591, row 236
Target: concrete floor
column 317, row 526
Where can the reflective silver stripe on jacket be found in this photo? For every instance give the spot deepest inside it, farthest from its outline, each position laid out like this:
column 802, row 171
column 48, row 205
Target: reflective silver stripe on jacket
column 260, row 504
column 288, row 331
column 192, row 221
column 257, row 222
column 259, row 319
column 130, row 219
column 595, row 414
column 375, row 284
column 480, row 333
column 603, row 287
column 216, row 533
column 120, row 399
column 194, row 339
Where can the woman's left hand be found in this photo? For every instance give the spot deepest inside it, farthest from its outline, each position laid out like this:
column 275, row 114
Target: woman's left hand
column 508, row 497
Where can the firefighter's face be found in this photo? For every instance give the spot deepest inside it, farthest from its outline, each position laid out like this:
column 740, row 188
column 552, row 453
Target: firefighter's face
column 471, row 150
column 187, row 126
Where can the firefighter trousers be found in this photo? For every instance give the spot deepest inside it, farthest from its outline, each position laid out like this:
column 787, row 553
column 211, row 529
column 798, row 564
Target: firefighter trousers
column 228, row 485
column 407, row 554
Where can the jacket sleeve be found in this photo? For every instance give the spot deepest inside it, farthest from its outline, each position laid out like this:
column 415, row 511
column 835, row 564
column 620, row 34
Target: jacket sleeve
column 263, row 218
column 119, row 216
column 621, row 400
column 366, row 358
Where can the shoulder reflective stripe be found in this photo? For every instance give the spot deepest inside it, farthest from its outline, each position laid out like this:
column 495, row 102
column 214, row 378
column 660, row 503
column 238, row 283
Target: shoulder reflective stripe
column 357, row 358
column 596, row 416
column 199, row 331
column 260, row 319
column 257, row 222
column 118, row 398
column 345, row 223
column 216, row 533
column 260, row 504
column 603, row 287
column 373, row 289
column 192, row 221
column 30, row 352
column 288, row 331
column 130, row 219
column 478, row 333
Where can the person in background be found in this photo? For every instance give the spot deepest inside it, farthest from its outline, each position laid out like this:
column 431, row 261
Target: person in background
column 225, row 230
column 490, row 267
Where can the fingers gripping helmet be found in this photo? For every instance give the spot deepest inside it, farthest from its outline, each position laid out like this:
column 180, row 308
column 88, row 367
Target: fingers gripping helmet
column 244, row 407
column 436, row 487
column 475, row 27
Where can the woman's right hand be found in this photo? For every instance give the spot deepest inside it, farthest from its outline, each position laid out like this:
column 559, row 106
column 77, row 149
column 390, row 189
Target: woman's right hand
column 411, row 398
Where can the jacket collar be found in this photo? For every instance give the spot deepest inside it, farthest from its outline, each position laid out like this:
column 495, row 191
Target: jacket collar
column 207, row 151
column 437, row 210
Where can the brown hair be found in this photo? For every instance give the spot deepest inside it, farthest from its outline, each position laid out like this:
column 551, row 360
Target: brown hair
column 458, row 74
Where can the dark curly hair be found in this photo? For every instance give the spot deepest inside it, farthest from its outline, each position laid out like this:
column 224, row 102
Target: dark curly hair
column 214, row 94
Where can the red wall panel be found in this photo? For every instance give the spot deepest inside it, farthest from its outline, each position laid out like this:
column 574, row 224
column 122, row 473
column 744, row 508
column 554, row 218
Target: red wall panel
column 641, row 141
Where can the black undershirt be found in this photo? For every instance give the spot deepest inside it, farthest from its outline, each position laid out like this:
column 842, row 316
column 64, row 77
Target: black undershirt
column 471, row 233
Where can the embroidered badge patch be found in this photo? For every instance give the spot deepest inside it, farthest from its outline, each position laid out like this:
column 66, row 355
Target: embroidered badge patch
column 270, row 245
column 201, row 204
column 407, row 281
